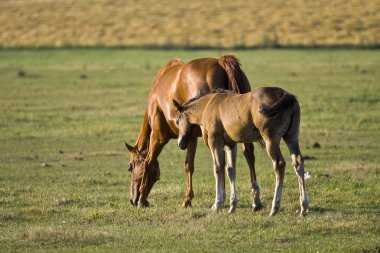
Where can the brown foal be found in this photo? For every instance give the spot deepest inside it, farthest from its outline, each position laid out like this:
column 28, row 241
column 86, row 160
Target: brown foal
column 227, row 118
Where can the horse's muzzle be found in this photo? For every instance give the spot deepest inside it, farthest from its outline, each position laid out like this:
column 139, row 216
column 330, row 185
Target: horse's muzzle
column 135, row 200
column 135, row 194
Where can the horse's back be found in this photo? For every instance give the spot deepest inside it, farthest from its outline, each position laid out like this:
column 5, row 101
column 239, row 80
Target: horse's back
column 200, row 76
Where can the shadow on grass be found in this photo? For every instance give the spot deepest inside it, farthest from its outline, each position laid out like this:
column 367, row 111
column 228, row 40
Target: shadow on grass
column 321, row 210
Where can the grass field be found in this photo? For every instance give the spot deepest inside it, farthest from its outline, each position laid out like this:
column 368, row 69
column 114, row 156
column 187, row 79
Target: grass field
column 64, row 116
column 189, row 24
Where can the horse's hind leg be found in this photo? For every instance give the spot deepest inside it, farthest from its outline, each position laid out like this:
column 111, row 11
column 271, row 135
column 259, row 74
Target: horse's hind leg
column 298, row 165
column 189, row 169
column 250, row 157
column 231, row 172
column 278, row 161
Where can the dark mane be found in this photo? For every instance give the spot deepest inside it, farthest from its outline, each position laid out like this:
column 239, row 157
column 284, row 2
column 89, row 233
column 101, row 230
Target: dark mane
column 195, row 98
column 220, row 90
column 217, row 91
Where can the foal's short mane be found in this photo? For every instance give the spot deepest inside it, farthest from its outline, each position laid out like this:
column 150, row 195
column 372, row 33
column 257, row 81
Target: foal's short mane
column 217, row 91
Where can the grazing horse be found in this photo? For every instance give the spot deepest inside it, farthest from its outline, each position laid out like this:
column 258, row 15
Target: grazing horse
column 227, row 118
column 180, row 81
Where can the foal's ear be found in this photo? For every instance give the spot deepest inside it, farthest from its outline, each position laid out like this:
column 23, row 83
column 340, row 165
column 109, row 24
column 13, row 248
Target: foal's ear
column 129, row 147
column 178, row 106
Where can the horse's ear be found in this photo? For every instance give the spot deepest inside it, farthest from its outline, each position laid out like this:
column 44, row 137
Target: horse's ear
column 178, row 106
column 129, row 147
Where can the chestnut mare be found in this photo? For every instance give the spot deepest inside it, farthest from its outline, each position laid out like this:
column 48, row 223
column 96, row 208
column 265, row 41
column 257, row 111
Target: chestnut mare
column 181, row 82
column 228, row 118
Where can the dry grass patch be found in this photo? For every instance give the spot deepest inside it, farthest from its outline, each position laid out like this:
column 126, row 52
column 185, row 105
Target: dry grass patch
column 222, row 23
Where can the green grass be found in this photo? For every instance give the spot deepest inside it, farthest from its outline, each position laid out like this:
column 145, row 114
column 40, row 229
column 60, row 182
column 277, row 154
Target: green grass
column 64, row 184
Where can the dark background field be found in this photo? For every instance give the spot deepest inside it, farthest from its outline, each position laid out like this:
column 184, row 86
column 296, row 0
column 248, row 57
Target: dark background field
column 74, row 86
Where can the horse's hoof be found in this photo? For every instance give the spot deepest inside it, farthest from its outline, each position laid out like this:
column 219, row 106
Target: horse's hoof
column 186, row 203
column 143, row 204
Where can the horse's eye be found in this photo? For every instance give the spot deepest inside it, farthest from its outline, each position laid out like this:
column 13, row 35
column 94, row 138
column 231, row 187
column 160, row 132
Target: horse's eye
column 130, row 167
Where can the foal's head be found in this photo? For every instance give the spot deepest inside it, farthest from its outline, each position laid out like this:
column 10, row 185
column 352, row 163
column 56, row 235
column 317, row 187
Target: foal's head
column 184, row 126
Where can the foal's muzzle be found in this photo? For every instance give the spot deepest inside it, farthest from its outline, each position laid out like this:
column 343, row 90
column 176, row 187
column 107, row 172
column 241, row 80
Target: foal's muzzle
column 182, row 145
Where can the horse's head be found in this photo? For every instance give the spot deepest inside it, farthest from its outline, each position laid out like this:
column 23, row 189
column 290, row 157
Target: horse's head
column 184, row 126
column 136, row 168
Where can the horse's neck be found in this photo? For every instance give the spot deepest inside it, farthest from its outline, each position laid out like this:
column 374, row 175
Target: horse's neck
column 197, row 109
column 142, row 143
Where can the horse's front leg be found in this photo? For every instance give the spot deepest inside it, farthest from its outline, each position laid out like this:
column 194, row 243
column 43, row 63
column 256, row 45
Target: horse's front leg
column 189, row 169
column 150, row 164
column 159, row 137
column 217, row 150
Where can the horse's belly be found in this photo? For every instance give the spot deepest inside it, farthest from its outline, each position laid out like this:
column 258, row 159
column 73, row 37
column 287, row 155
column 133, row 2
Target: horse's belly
column 244, row 134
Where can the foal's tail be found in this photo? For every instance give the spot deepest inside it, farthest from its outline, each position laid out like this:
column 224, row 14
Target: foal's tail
column 287, row 101
column 238, row 82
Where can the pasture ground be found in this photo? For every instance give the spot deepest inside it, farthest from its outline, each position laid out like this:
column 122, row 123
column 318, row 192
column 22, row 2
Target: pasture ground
column 64, row 184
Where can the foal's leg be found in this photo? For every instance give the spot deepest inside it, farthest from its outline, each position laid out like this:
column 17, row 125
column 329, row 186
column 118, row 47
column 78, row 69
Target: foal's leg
column 297, row 162
column 278, row 161
column 231, row 172
column 189, row 169
column 217, row 151
column 250, row 157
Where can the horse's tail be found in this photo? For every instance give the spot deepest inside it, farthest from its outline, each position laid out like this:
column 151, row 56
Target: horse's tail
column 237, row 81
column 285, row 102
column 172, row 62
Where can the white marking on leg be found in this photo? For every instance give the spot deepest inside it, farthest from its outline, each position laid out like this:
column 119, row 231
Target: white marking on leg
column 256, row 196
column 300, row 172
column 276, row 203
column 231, row 171
column 219, row 161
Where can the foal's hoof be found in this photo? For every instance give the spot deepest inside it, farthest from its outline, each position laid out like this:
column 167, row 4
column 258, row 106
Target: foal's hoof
column 143, row 203
column 257, row 207
column 232, row 209
column 274, row 212
column 186, row 203
column 303, row 212
column 216, row 207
